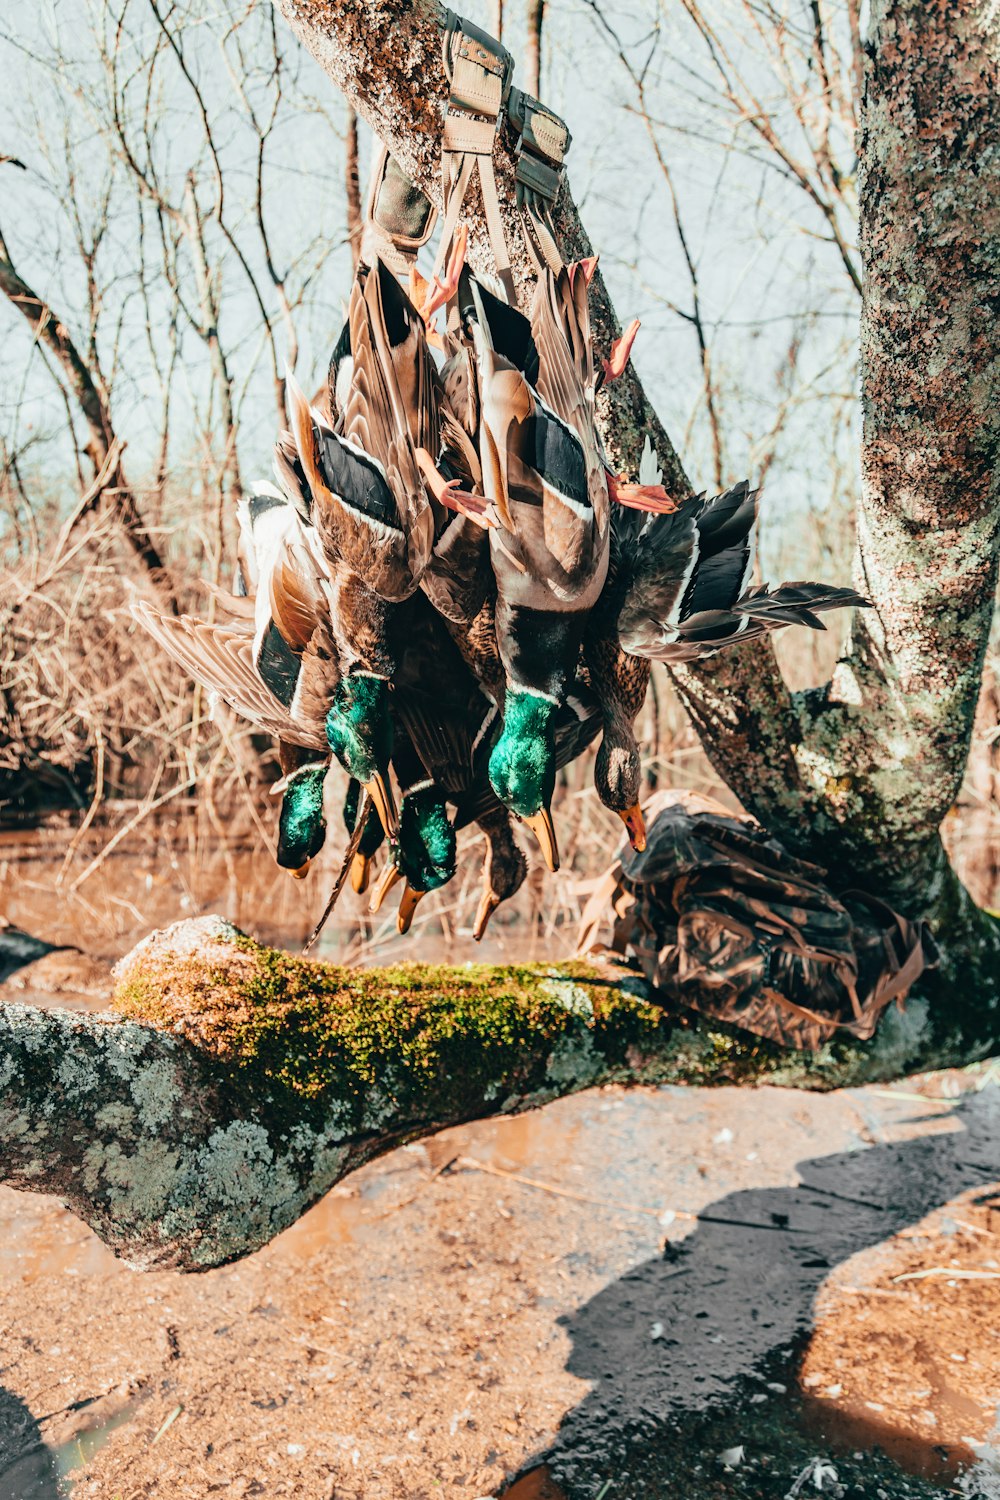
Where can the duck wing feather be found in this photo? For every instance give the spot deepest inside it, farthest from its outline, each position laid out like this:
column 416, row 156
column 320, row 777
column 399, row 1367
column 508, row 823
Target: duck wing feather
column 222, row 658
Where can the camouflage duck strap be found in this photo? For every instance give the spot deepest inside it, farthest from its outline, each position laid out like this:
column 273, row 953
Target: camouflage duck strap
column 400, row 218
column 479, row 71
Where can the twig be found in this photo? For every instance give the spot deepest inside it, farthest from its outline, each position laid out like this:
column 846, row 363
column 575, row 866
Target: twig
column 91, row 813
column 124, row 832
column 632, row 1208
column 167, row 1424
column 914, row 1097
column 951, row 1273
column 345, row 865
column 546, row 1187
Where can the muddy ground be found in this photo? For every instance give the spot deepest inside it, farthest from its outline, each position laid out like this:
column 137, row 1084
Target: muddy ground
column 516, row 1293
column 631, row 1294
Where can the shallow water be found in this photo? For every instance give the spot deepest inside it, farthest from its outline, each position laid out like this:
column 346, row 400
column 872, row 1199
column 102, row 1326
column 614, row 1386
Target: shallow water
column 103, row 900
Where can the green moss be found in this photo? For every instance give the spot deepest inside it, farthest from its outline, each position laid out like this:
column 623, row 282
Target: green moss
column 395, row 1051
column 430, row 1041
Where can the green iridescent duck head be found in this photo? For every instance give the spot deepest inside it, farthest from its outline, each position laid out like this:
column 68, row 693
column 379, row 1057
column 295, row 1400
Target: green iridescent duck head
column 359, row 732
column 301, row 826
column 523, row 765
column 424, row 853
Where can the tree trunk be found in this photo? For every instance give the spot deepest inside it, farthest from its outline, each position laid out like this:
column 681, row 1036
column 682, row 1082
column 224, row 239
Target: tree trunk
column 860, row 773
column 237, row 1084
column 533, row 54
column 97, row 414
column 352, row 187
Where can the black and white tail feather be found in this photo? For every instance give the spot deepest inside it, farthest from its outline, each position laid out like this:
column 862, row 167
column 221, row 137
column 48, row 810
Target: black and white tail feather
column 688, row 579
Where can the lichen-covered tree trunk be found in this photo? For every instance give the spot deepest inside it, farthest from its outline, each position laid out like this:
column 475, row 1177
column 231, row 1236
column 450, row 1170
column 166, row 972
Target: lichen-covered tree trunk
column 866, row 769
column 858, row 775
column 236, row 1084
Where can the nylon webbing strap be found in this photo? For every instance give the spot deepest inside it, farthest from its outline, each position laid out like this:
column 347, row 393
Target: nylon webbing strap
column 478, row 70
column 400, row 218
column 542, row 143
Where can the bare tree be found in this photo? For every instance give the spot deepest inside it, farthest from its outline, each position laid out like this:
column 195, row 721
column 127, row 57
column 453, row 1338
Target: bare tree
column 104, row 449
column 352, row 185
column 163, row 290
column 533, row 52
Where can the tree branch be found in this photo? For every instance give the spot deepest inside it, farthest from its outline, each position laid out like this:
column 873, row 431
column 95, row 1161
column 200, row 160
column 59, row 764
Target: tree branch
column 237, row 1084
column 96, row 412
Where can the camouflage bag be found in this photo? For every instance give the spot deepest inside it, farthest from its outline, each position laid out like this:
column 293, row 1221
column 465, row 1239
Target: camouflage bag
column 720, row 916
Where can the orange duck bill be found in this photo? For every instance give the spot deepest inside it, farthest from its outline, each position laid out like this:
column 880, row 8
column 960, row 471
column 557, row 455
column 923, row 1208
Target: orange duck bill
column 635, row 827
column 543, row 828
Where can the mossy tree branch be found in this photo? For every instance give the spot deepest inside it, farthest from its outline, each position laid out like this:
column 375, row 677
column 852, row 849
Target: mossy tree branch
column 236, row 1084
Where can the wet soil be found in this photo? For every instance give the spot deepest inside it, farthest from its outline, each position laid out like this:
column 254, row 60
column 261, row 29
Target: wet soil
column 530, row 1292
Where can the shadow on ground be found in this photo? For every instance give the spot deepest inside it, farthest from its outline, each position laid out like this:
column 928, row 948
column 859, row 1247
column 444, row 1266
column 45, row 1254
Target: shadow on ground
column 688, row 1353
column 28, row 1469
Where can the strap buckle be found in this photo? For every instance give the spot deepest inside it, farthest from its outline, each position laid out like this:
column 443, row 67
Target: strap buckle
column 479, row 68
column 543, row 139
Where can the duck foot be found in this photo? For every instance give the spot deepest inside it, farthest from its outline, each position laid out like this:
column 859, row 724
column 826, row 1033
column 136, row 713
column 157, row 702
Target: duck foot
column 439, row 292
column 649, row 497
column 449, row 493
column 621, row 353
